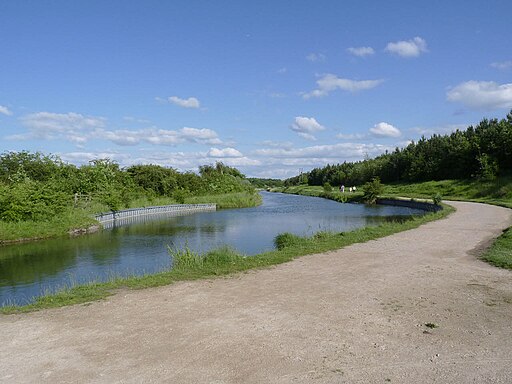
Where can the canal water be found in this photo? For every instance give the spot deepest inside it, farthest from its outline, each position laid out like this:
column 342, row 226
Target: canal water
column 33, row 269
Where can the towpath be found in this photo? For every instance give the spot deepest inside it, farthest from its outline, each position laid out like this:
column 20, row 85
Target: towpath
column 356, row 315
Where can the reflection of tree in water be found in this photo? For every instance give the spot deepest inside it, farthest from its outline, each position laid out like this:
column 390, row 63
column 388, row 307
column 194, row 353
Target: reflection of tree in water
column 141, row 247
column 34, row 262
column 169, row 226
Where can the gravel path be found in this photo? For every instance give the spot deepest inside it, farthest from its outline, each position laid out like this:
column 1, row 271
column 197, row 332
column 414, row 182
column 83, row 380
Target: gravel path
column 356, row 315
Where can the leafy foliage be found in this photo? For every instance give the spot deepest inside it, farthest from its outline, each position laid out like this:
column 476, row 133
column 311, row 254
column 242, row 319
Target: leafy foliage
column 483, row 152
column 437, row 198
column 37, row 187
column 372, row 190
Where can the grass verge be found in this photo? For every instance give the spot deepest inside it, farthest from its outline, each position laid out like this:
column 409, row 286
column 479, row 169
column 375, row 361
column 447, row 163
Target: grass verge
column 228, row 200
column 500, row 252
column 496, row 192
column 224, row 261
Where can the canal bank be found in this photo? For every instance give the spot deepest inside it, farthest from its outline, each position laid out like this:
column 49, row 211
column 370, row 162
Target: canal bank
column 411, row 307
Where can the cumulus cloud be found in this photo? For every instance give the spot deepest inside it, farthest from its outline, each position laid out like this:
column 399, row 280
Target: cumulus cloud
column 277, row 144
column 47, row 122
column 5, row 111
column 200, row 135
column 306, row 127
column 482, row 94
column 79, row 129
column 321, row 154
column 385, row 130
column 224, row 152
column 361, row 51
column 350, row 136
column 329, row 83
column 409, row 48
column 440, row 130
column 316, row 57
column 191, row 102
column 503, row 65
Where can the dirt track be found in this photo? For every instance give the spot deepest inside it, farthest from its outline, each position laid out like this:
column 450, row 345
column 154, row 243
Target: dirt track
column 356, row 315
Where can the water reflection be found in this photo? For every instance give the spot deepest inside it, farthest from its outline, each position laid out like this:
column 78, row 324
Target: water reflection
column 28, row 270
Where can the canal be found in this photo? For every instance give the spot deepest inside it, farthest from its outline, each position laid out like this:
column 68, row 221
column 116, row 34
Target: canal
column 33, row 269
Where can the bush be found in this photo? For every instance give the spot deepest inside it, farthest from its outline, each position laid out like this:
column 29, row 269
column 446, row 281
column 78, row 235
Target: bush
column 487, row 167
column 327, row 188
column 31, row 200
column 372, row 190
column 437, row 198
column 284, row 240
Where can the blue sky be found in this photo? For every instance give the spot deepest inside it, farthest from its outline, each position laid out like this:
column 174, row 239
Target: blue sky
column 268, row 87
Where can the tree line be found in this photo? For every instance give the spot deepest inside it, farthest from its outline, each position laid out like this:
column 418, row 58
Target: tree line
column 35, row 186
column 483, row 151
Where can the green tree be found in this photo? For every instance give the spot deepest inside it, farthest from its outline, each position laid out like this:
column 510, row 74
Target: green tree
column 372, row 190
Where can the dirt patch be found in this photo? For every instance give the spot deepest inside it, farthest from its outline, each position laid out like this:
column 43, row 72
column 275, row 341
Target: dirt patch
column 411, row 307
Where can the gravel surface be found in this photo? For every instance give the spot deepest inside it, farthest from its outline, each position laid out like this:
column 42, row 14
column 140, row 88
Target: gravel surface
column 414, row 307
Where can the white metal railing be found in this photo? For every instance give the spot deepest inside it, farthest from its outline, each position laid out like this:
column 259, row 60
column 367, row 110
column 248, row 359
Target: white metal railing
column 109, row 219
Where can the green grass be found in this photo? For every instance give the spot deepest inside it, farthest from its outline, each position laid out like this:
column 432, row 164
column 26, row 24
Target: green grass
column 497, row 192
column 57, row 226
column 228, row 200
column 500, row 252
column 189, row 265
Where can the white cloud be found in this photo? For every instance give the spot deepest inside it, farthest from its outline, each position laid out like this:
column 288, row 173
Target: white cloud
column 322, row 153
column 79, row 129
column 409, row 48
column 361, row 51
column 482, row 94
column 350, row 136
column 85, row 157
column 191, row 102
column 225, row 152
column 169, row 137
column 5, row 111
column 47, row 123
column 329, row 82
column 306, row 126
column 385, row 130
column 503, row 65
column 440, row 130
column 316, row 57
column 200, row 135
column 277, row 144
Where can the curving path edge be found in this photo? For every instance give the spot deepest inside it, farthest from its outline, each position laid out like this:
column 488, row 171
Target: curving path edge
column 356, row 315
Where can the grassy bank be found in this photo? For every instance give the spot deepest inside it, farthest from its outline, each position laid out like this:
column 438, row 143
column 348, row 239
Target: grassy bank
column 34, row 230
column 497, row 192
column 316, row 191
column 500, row 252
column 189, row 266
column 81, row 217
column 228, row 200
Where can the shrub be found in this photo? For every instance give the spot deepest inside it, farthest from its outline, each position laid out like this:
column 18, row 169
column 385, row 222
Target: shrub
column 437, row 198
column 327, row 188
column 487, row 167
column 31, row 200
column 372, row 190
column 284, row 240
